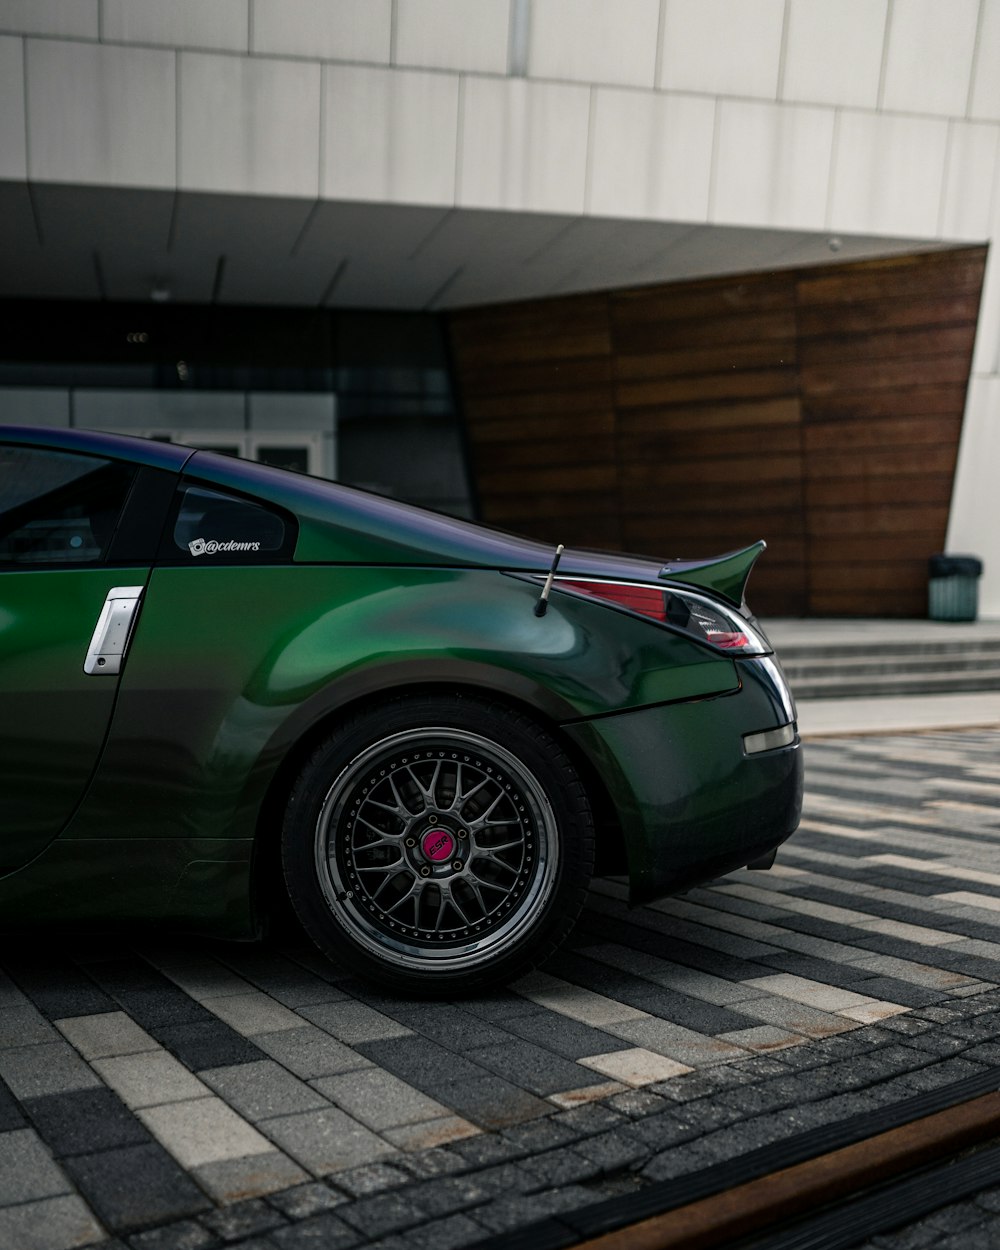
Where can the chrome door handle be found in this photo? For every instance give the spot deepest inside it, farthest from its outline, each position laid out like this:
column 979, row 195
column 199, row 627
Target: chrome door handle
column 107, row 646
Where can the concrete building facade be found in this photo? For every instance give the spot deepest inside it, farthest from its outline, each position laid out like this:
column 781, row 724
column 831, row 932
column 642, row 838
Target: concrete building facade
column 435, row 155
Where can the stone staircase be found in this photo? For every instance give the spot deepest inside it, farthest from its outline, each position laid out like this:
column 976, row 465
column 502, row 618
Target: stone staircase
column 829, row 660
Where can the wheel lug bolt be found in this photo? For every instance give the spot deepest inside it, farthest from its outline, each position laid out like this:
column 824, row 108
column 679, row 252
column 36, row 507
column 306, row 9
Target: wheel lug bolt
column 425, row 871
column 462, row 834
column 457, row 865
column 411, row 841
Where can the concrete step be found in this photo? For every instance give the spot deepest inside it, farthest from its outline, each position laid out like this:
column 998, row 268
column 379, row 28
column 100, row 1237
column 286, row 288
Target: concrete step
column 859, row 663
column 833, row 685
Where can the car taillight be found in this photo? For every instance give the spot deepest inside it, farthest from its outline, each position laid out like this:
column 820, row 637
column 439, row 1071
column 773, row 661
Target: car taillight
column 692, row 614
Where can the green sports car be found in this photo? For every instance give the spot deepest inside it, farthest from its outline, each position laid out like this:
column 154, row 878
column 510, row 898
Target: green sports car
column 220, row 680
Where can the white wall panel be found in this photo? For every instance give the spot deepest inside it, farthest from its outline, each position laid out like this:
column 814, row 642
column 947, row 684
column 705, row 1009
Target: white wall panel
column 100, row 114
column 524, row 145
column 150, row 410
column 651, row 155
column 332, row 30
column 929, row 57
column 37, row 405
column 205, row 24
column 294, row 410
column 13, row 145
column 441, row 34
column 888, row 174
column 772, row 164
column 986, row 356
column 594, row 42
column 727, row 47
column 833, row 52
column 973, row 150
column 985, row 101
column 390, row 135
column 972, row 526
column 66, row 18
column 249, row 124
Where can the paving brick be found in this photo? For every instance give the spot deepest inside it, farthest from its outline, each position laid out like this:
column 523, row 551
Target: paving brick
column 379, row 1100
column 371, row 1178
column 150, row 1078
column 564, row 1036
column 11, row 1116
column 48, row 1068
column 228, row 1180
column 322, row 1232
column 243, row 1219
column 326, row 1141
column 58, row 988
column 180, row 1235
column 203, row 1130
column 23, row 1025
column 263, row 1089
column 107, row 1034
column 534, row 1069
column 136, row 1186
column 430, row 1133
column 252, row 1013
column 303, row 1201
column 381, row 1214
column 309, row 1052
column 491, row 1102
column 353, row 1022
column 50, row 1224
column 83, row 1121
column 207, row 1044
column 27, row 1171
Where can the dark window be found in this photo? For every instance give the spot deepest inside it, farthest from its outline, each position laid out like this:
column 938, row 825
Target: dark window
column 58, row 508
column 222, row 528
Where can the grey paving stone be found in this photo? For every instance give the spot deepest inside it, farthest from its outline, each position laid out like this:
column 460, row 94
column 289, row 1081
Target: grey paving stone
column 563, row 1166
column 492, row 1102
column 381, row 1214
column 562, row 1036
column 136, row 1186
column 326, row 1141
column 243, row 1219
column 510, row 1212
column 353, row 1022
column 535, row 1069
column 27, row 1171
column 322, row 1232
column 371, row 1178
column 50, row 1224
column 378, row 1099
column 109, row 1034
column 59, row 988
column 262, row 1089
column 309, row 1052
column 207, row 1044
column 451, row 1026
column 24, row 1025
column 83, row 1121
column 454, row 1232
column 228, row 1180
column 10, row 1111
column 48, row 1068
column 424, row 1164
column 181, row 1235
column 424, row 1064
column 303, row 1201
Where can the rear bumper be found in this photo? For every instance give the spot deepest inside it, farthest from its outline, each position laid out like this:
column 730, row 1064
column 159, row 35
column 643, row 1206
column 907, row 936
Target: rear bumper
column 691, row 802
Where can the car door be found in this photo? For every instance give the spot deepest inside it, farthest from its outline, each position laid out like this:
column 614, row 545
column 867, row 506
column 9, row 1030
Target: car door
column 66, row 614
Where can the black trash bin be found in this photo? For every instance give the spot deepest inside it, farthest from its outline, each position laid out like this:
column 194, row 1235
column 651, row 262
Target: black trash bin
column 953, row 587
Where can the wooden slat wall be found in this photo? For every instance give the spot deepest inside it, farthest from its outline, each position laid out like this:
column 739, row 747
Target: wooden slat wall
column 819, row 409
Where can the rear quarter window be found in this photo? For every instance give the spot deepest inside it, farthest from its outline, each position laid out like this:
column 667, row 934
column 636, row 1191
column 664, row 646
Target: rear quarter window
column 213, row 527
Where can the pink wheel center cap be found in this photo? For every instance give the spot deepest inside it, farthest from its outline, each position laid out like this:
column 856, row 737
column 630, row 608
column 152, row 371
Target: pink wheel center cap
column 437, row 845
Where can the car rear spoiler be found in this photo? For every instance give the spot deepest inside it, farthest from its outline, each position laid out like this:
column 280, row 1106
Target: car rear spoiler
column 724, row 575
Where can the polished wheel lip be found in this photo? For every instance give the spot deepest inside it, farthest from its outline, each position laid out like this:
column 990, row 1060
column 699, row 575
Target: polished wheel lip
column 450, row 955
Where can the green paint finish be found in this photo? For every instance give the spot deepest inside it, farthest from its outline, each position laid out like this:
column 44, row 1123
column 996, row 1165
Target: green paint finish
column 725, row 575
column 53, row 717
column 691, row 804
column 197, row 884
column 230, row 667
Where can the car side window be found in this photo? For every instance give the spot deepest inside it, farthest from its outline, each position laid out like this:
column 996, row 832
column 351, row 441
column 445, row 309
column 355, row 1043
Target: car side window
column 218, row 528
column 58, row 508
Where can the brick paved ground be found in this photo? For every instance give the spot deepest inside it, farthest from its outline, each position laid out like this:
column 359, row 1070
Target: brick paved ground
column 187, row 1096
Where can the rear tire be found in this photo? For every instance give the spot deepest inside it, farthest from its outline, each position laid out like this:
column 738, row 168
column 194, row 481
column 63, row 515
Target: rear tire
column 438, row 845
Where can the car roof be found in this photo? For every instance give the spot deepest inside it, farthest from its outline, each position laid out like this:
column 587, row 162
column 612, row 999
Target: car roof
column 144, row 451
